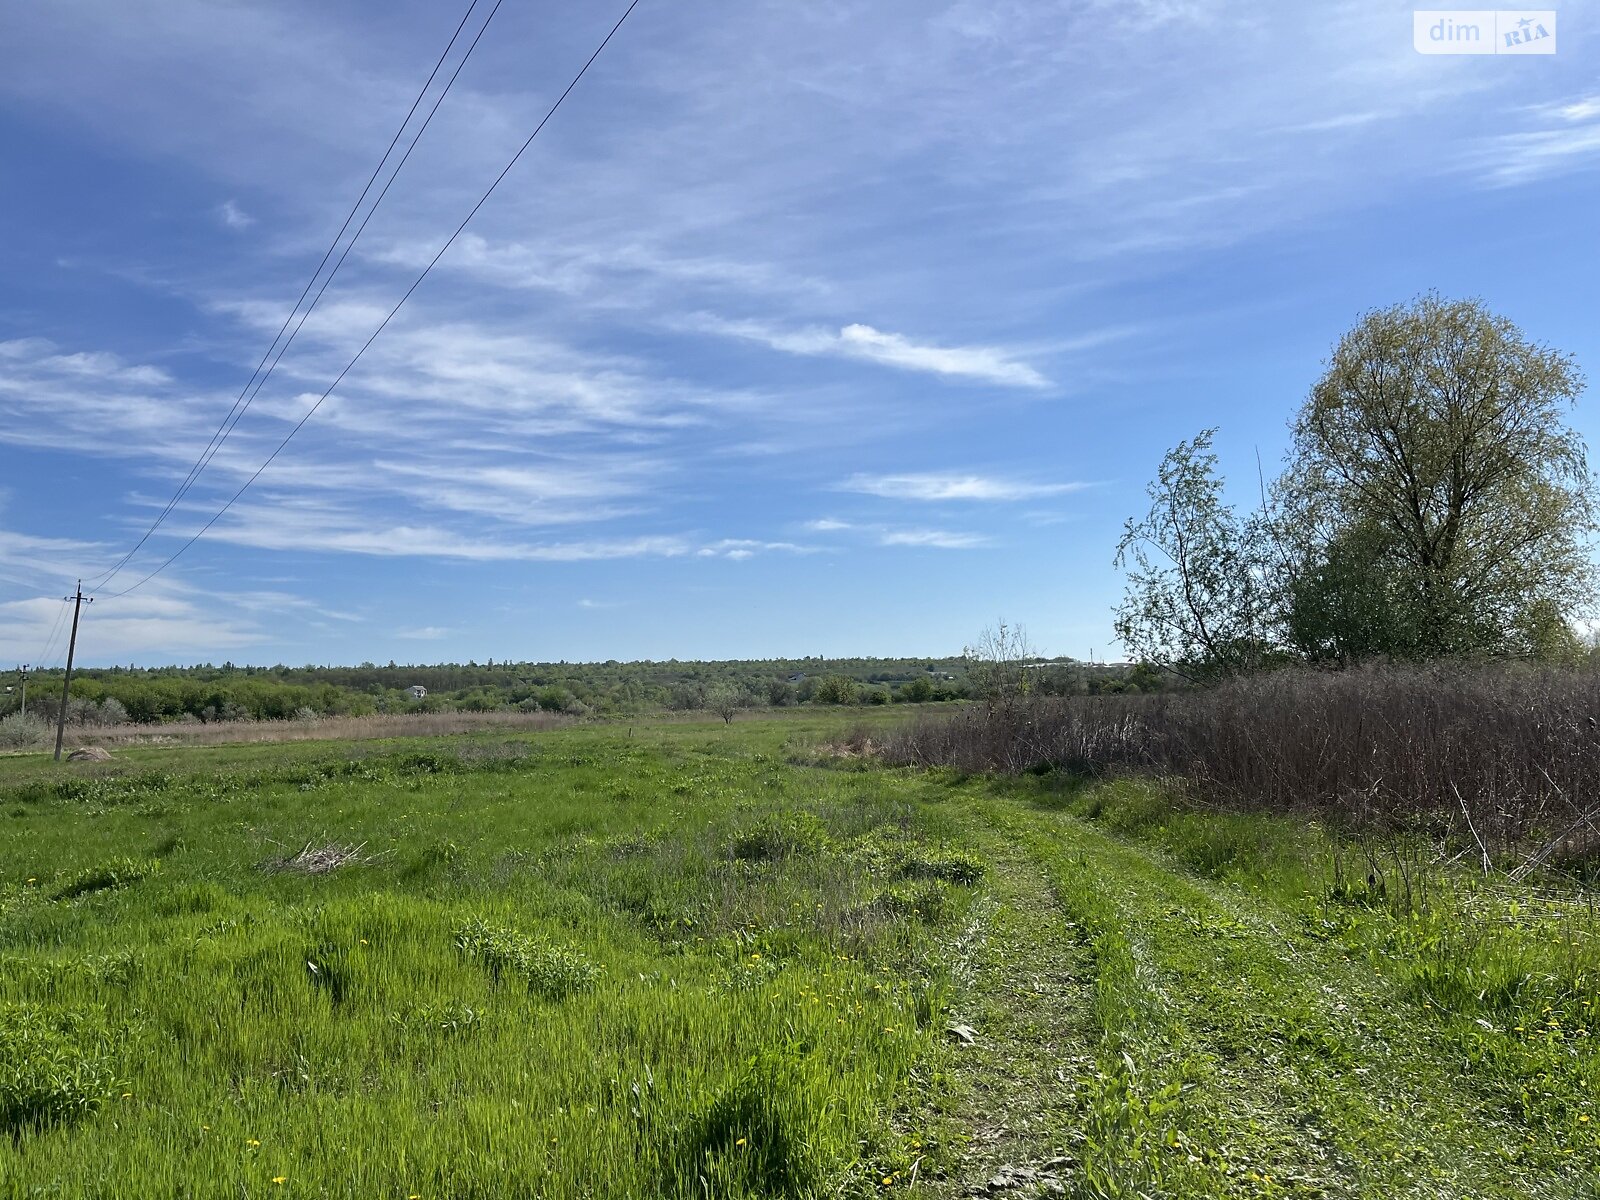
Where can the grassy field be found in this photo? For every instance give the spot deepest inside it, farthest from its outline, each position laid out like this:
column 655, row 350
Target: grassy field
column 682, row 959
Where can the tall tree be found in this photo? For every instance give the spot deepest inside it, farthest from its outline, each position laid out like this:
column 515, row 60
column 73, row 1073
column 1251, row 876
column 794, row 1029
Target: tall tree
column 1198, row 596
column 1436, row 499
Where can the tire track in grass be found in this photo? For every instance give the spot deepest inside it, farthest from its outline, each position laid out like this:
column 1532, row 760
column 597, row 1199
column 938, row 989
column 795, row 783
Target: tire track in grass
column 1025, row 984
column 1309, row 1077
column 1180, row 1036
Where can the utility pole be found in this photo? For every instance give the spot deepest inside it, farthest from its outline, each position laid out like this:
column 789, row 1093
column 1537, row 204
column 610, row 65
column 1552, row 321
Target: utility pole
column 77, row 599
column 24, row 689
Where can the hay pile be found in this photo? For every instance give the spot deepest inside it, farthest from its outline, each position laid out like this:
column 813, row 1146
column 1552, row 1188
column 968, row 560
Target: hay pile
column 319, row 860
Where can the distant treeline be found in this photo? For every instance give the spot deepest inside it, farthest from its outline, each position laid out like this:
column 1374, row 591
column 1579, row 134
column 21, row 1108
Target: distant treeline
column 230, row 693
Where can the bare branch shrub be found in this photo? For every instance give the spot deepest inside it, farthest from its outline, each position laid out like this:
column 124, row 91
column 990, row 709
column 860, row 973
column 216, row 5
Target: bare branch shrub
column 1513, row 751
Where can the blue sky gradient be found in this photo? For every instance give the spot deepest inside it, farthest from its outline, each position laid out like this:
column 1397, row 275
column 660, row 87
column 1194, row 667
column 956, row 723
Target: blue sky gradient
column 802, row 329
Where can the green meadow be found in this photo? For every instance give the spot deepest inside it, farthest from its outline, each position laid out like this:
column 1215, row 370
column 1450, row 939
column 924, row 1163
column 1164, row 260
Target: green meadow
column 681, row 959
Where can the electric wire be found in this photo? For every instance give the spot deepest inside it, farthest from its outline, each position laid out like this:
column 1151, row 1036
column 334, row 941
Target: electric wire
column 450, row 241
column 43, row 657
column 257, row 378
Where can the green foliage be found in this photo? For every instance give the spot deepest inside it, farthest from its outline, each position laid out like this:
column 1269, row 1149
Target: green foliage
column 1435, row 504
column 1198, row 596
column 725, row 700
column 1439, row 503
column 55, row 1067
column 779, row 837
column 19, row 731
column 551, row 972
column 952, row 866
column 753, row 1139
column 918, row 691
column 837, row 689
column 118, row 872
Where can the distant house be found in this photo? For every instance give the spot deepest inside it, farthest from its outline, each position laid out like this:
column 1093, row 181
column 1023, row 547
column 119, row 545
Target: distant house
column 417, row 692
column 797, row 677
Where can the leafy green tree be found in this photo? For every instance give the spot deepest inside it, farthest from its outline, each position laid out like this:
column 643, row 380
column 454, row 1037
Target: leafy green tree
column 837, row 689
column 1436, row 502
column 1199, row 597
column 725, row 699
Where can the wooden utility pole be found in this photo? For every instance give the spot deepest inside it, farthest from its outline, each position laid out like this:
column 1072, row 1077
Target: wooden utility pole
column 77, row 599
column 24, row 689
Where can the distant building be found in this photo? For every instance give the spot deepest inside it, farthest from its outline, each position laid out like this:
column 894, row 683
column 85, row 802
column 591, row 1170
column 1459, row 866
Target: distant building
column 797, row 677
column 417, row 692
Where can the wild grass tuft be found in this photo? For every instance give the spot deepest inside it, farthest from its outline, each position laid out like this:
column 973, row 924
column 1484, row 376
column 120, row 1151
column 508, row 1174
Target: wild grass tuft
column 551, row 972
column 118, row 872
column 55, row 1067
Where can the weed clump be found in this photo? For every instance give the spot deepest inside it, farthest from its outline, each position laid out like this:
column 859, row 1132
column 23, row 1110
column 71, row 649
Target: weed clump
column 758, row 1137
column 950, row 866
column 929, row 902
column 551, row 972
column 115, row 873
column 54, row 1068
column 788, row 836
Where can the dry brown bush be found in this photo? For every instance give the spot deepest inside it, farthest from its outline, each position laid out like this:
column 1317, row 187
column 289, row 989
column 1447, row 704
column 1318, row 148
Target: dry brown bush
column 324, row 729
column 1513, row 749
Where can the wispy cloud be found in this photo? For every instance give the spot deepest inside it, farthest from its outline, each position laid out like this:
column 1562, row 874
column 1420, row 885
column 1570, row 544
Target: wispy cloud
column 889, row 535
column 425, row 633
column 1566, row 138
column 939, row 539
column 740, row 548
column 234, row 217
column 161, row 621
column 982, row 364
column 933, row 486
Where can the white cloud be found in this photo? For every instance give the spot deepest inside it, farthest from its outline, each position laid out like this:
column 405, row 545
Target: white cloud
column 890, row 535
column 983, row 364
column 741, row 548
column 939, row 539
column 1567, row 138
column 426, row 633
column 936, row 487
column 158, row 622
column 234, row 217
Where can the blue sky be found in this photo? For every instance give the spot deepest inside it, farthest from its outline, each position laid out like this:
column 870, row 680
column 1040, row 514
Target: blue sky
column 802, row 329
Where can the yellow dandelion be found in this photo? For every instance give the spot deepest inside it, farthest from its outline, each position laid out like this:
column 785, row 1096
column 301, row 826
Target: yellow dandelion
column 755, row 958
column 363, row 941
column 888, row 1181
column 741, row 1141
column 33, row 879
column 280, row 1179
column 1584, row 1120
column 207, row 1128
column 252, row 1142
column 127, row 1095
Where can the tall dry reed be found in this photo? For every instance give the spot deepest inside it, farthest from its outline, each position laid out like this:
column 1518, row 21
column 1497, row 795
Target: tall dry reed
column 1508, row 754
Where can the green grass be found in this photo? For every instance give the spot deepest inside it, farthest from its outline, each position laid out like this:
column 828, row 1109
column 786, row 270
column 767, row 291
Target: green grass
column 684, row 960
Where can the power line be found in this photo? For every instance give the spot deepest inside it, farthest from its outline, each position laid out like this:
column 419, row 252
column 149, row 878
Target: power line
column 43, row 659
column 258, row 378
column 450, row 241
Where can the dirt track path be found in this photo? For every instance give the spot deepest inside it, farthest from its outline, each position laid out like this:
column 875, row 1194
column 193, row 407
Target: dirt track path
column 1144, row 1031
